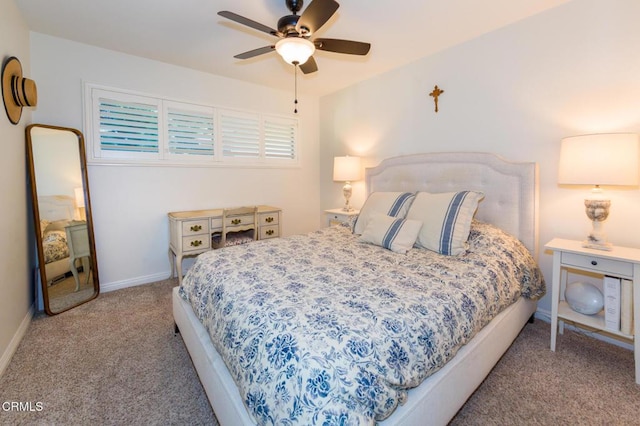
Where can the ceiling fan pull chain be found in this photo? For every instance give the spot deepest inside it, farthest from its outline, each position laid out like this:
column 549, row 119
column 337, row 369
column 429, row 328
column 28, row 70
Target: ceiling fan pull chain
column 295, row 86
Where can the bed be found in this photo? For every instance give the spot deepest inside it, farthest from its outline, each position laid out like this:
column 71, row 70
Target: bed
column 414, row 395
column 56, row 211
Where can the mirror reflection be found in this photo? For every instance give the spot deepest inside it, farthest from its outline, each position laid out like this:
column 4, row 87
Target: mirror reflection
column 62, row 211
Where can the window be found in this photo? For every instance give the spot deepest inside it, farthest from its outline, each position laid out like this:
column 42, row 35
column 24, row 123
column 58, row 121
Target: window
column 127, row 128
column 279, row 139
column 240, row 134
column 190, row 131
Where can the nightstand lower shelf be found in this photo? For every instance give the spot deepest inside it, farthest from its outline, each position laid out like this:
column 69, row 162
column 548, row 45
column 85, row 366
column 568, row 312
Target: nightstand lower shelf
column 596, row 322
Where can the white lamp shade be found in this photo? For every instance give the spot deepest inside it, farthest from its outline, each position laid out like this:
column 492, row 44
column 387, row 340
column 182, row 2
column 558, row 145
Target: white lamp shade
column 600, row 159
column 347, row 169
column 295, row 49
column 79, row 196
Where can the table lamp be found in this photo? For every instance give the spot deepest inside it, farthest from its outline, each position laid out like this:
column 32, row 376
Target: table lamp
column 79, row 196
column 599, row 159
column 346, row 169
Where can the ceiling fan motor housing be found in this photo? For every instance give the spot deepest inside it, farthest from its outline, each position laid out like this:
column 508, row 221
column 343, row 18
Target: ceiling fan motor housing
column 287, row 25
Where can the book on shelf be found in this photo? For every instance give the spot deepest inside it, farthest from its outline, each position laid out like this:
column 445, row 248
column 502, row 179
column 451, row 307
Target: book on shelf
column 611, row 303
column 626, row 306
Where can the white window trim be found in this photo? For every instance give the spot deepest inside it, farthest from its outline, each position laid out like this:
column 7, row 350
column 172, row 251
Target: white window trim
column 164, row 158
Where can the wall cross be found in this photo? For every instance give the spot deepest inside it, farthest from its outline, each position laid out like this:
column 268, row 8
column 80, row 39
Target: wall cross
column 436, row 92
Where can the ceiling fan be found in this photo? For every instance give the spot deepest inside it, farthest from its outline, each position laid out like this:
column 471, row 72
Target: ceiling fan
column 294, row 32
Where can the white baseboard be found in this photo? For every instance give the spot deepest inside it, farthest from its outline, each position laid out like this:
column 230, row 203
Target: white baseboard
column 545, row 315
column 146, row 279
column 15, row 341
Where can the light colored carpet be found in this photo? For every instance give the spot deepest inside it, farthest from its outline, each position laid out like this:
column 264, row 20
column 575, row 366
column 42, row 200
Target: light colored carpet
column 585, row 382
column 116, row 361
column 112, row 361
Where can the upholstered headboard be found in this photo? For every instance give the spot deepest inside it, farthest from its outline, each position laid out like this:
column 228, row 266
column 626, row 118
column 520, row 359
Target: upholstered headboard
column 56, row 207
column 510, row 188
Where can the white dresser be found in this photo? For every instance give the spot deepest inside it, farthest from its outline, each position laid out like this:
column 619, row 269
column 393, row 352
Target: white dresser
column 191, row 231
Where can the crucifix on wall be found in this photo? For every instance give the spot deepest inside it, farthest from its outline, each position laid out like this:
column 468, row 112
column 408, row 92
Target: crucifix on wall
column 436, row 92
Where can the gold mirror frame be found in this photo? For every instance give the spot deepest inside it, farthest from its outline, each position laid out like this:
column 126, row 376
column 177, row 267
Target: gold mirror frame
column 59, row 185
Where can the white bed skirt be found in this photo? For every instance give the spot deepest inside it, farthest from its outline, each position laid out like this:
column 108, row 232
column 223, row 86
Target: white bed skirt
column 56, row 268
column 434, row 402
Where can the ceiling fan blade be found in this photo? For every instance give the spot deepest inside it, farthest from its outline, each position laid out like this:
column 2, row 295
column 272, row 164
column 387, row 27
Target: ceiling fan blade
column 342, row 46
column 316, row 15
column 248, row 22
column 255, row 52
column 309, row 66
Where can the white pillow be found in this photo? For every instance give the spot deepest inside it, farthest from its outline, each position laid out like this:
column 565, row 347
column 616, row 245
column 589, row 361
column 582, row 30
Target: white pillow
column 446, row 220
column 395, row 234
column 394, row 204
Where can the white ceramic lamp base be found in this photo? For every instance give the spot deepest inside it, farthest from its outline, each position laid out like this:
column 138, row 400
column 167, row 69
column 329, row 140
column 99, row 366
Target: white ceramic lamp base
column 597, row 211
column 346, row 191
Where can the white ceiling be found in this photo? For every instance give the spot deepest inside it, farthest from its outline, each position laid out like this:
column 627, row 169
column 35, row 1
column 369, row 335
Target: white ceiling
column 191, row 34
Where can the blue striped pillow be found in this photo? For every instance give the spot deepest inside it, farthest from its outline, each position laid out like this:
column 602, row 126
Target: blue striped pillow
column 395, row 234
column 446, row 220
column 394, row 204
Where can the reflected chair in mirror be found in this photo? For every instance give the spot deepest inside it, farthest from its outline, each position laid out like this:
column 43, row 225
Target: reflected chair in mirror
column 239, row 226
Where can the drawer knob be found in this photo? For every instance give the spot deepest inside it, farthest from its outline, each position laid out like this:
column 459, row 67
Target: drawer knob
column 269, row 232
column 594, row 262
column 196, row 243
column 269, row 219
column 236, row 221
column 196, row 228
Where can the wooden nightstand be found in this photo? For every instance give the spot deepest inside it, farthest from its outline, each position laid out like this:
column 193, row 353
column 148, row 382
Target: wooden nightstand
column 622, row 262
column 338, row 216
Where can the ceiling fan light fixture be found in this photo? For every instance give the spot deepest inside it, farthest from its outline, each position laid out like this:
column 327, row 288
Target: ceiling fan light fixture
column 295, row 49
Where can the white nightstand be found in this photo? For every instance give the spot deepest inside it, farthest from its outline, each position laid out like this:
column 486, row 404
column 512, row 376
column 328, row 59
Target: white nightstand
column 78, row 244
column 338, row 216
column 622, row 262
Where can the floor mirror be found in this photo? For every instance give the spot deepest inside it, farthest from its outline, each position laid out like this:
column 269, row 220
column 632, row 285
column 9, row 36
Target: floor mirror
column 62, row 215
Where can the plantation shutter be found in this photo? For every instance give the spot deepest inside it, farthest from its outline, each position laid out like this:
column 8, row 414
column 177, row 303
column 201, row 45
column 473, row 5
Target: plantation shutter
column 240, row 135
column 128, row 127
column 280, row 139
column 190, row 132
column 124, row 127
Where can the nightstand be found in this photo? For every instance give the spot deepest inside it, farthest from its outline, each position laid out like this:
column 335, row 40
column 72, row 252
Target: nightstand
column 78, row 244
column 338, row 216
column 621, row 262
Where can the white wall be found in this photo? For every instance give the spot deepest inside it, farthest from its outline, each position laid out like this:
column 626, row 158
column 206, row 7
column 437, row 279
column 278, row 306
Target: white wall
column 16, row 244
column 130, row 204
column 516, row 92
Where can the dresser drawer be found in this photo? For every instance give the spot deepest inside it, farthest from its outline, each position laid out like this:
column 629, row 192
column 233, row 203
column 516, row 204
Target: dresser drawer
column 239, row 220
column 269, row 218
column 271, row 231
column 194, row 227
column 196, row 242
column 216, row 224
column 595, row 263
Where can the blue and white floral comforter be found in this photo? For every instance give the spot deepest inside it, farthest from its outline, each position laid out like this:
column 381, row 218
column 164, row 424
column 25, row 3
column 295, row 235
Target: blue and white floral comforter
column 322, row 329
